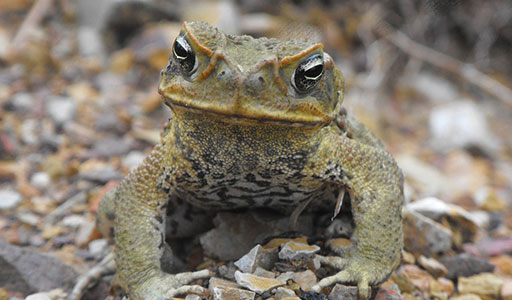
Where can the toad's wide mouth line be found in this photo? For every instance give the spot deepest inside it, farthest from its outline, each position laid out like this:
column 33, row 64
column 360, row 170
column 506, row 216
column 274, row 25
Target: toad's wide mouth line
column 242, row 118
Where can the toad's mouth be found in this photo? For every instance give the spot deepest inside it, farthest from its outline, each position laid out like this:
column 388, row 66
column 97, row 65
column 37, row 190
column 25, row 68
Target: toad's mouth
column 247, row 116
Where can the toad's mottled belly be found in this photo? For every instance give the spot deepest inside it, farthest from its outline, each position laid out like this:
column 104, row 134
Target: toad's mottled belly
column 252, row 190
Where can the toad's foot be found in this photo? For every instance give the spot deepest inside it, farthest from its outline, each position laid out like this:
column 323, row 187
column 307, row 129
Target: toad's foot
column 166, row 286
column 354, row 270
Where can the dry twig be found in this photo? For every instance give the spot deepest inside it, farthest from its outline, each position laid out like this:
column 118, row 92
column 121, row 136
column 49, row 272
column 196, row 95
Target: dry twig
column 440, row 60
column 34, row 17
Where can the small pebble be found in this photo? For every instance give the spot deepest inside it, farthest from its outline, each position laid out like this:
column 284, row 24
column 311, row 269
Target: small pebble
column 432, row 266
column 29, row 218
column 40, row 180
column 73, row 221
column 61, row 109
column 10, row 199
column 98, row 247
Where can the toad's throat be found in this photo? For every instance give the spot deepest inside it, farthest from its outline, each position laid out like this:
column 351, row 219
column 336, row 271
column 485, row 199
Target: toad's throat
column 244, row 119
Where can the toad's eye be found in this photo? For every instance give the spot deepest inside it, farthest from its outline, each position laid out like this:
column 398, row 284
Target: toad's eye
column 308, row 73
column 184, row 55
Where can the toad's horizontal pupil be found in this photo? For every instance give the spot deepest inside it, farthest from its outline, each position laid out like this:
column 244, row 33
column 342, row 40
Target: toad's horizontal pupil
column 180, row 51
column 314, row 71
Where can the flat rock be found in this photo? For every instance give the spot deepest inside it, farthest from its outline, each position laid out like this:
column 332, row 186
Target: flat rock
column 485, row 285
column 464, row 265
column 256, row 283
column 306, row 279
column 222, row 290
column 424, row 236
column 264, row 273
column 296, row 251
column 340, row 291
column 26, row 270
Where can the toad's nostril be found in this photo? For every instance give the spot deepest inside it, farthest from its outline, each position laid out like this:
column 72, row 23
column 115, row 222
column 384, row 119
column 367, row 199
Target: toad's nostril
column 261, row 80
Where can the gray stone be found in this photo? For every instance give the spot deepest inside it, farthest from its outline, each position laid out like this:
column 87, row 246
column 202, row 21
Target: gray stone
column 248, row 262
column 430, row 179
column 345, row 292
column 30, row 130
column 424, row 236
column 435, row 88
column 235, row 234
column 9, row 199
column 26, row 270
column 282, row 292
column 22, row 102
column 61, row 109
column 464, row 265
column 227, row 271
column 90, row 42
column 112, row 146
column 109, row 121
column 460, row 125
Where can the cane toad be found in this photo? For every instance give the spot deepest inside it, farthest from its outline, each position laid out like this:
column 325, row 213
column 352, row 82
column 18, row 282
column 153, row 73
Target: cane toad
column 255, row 123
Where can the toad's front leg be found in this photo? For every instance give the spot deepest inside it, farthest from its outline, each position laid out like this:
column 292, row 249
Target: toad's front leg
column 375, row 184
column 140, row 203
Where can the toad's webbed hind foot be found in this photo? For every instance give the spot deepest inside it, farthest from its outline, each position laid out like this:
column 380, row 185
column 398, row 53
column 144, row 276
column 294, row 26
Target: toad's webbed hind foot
column 353, row 270
column 166, row 286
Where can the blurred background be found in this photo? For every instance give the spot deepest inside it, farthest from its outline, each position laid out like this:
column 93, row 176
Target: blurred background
column 79, row 106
